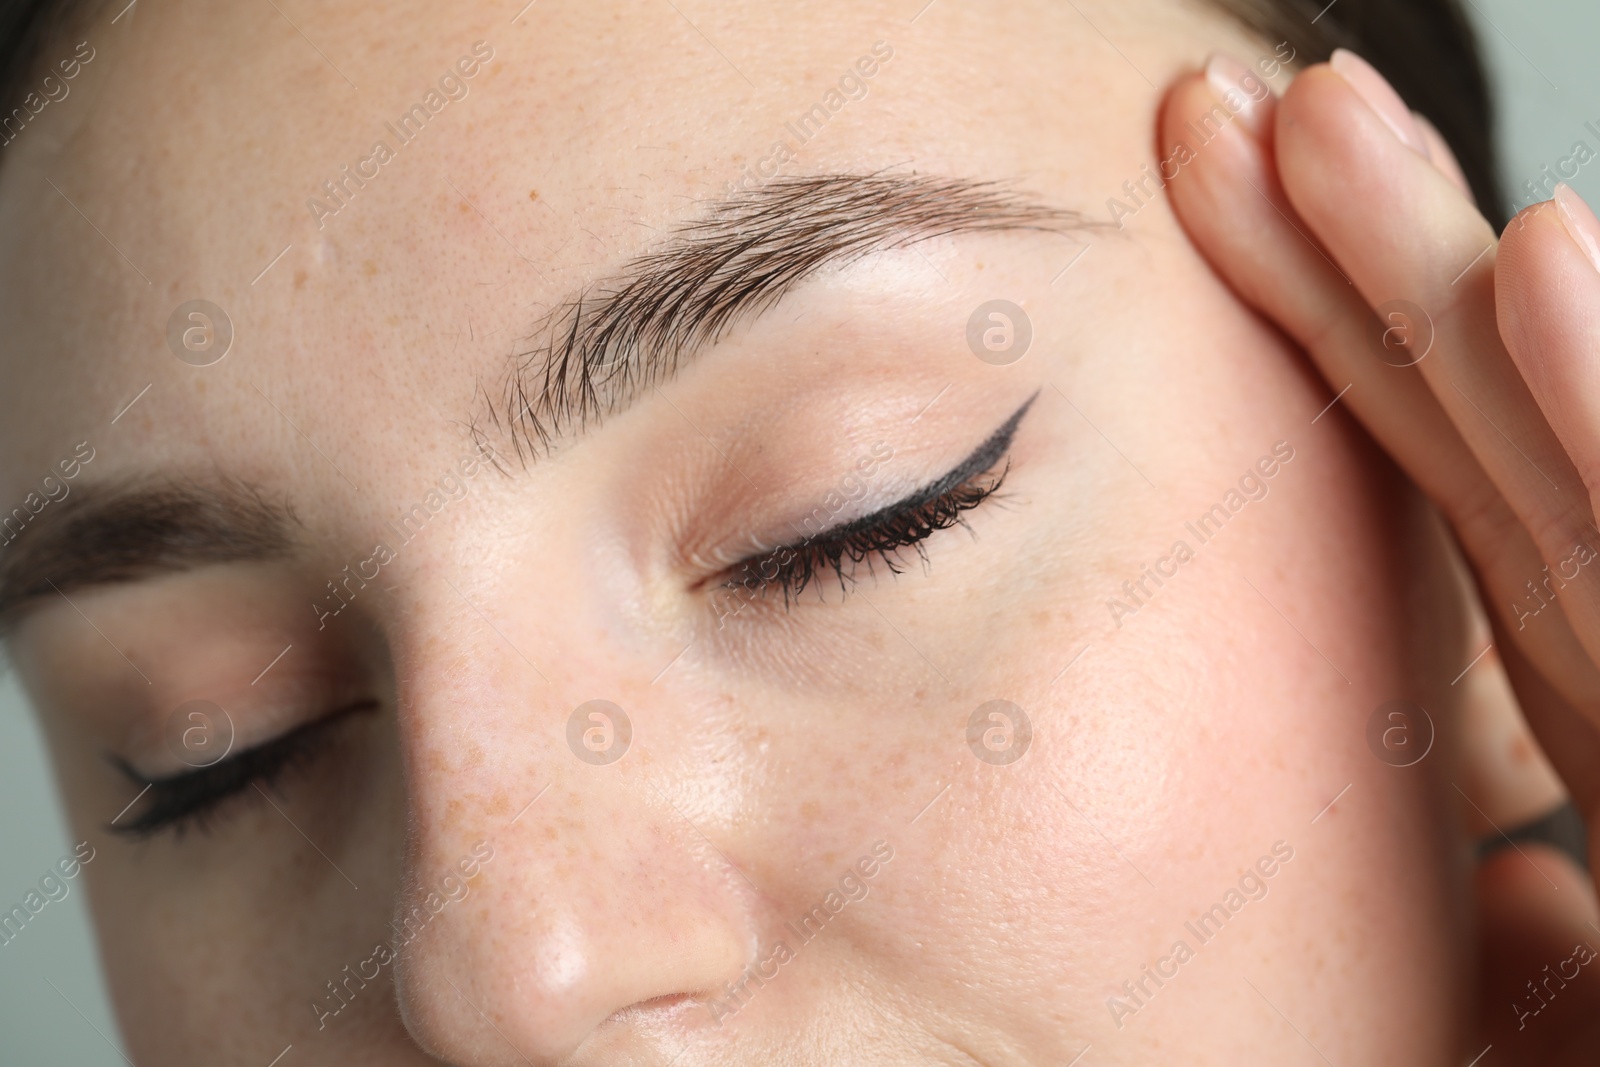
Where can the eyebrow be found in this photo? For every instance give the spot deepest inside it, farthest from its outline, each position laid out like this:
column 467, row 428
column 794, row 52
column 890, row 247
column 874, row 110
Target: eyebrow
column 593, row 354
column 600, row 349
column 100, row 536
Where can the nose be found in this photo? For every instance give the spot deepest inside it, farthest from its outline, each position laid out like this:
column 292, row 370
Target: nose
column 550, row 896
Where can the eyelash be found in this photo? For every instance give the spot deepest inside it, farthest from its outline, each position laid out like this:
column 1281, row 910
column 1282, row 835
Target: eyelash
column 193, row 799
column 884, row 535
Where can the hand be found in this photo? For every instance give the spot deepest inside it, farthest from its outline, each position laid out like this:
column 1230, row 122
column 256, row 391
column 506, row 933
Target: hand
column 1326, row 209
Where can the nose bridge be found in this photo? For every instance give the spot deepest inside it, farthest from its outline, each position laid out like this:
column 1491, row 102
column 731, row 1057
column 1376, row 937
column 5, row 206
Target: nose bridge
column 549, row 883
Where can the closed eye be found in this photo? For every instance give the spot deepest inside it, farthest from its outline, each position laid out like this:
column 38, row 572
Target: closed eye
column 189, row 799
column 885, row 534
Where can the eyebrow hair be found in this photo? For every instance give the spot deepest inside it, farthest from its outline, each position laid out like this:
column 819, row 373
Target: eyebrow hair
column 100, row 535
column 600, row 349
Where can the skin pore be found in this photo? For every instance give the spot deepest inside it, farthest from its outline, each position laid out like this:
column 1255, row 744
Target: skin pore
column 777, row 746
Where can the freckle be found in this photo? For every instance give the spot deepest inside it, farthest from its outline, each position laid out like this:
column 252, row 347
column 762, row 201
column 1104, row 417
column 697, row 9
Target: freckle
column 369, row 268
column 463, row 207
column 811, row 810
column 533, row 194
column 299, row 279
column 1521, row 751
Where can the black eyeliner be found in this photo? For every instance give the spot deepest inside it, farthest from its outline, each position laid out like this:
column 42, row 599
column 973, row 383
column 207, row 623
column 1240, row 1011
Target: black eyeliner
column 984, row 457
column 903, row 524
column 188, row 796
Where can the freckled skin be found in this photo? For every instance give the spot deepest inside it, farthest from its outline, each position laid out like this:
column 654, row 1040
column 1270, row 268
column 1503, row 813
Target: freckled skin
column 769, row 757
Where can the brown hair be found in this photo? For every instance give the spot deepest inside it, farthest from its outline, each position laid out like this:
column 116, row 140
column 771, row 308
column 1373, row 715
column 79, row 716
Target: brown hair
column 1426, row 48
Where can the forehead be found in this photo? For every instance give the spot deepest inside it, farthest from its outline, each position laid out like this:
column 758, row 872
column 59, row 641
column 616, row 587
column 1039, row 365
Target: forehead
column 383, row 198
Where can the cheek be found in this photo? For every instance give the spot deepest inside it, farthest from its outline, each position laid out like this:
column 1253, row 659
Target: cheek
column 1216, row 718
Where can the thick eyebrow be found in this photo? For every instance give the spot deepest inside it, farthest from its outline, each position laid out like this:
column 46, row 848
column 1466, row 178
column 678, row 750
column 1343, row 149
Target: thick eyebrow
column 599, row 349
column 593, row 354
column 98, row 535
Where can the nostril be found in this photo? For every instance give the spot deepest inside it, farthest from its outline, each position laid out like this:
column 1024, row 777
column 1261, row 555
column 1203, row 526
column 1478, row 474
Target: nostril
column 667, row 1007
column 665, row 999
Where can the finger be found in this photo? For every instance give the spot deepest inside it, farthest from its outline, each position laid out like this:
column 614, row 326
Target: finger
column 1548, row 300
column 1504, row 771
column 1557, row 719
column 1225, row 192
column 1335, row 148
column 1439, row 152
column 1227, row 195
column 1506, row 780
column 1541, row 958
column 1402, row 231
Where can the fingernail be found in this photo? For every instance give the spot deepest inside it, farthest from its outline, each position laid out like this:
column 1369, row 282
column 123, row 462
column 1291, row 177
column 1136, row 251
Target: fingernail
column 1240, row 91
column 1580, row 222
column 1380, row 97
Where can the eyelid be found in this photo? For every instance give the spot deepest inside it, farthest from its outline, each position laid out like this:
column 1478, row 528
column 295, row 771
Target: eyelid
column 981, row 459
column 258, row 714
column 195, row 794
column 139, row 778
column 904, row 524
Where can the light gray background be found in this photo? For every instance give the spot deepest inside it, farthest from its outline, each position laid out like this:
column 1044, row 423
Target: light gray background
column 1541, row 54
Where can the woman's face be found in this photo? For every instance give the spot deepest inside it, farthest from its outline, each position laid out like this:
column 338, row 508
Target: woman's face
column 388, row 536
